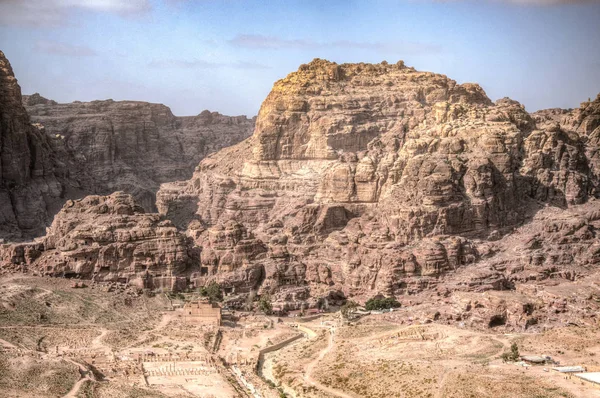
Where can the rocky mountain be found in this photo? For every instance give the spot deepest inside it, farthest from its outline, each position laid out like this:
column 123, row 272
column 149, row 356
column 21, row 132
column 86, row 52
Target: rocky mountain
column 52, row 152
column 132, row 146
column 379, row 179
column 31, row 181
column 364, row 179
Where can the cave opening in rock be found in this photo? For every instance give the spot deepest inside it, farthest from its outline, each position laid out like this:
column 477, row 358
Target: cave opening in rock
column 497, row 320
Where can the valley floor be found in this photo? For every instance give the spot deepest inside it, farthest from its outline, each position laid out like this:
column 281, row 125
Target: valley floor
column 107, row 341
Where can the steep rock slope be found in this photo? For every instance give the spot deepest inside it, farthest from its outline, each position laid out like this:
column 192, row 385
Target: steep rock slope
column 30, row 181
column 65, row 151
column 130, row 145
column 381, row 179
column 109, row 238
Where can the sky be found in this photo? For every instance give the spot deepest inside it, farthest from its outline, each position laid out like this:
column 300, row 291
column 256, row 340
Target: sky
column 225, row 55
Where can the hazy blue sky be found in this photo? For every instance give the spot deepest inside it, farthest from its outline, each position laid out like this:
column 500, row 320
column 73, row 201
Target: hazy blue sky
column 225, row 55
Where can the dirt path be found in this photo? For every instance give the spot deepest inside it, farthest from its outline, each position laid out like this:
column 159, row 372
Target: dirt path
column 311, row 366
column 85, row 375
column 166, row 318
column 97, row 342
column 7, row 344
column 76, row 387
column 45, row 293
column 440, row 390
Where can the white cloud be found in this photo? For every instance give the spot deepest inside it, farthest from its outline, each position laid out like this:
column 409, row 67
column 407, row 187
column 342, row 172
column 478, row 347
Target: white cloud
column 117, row 6
column 53, row 13
column 260, row 41
column 64, row 49
column 201, row 64
column 271, row 42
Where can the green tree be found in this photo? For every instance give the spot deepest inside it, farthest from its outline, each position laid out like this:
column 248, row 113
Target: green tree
column 265, row 305
column 514, row 351
column 213, row 291
column 381, row 303
column 513, row 355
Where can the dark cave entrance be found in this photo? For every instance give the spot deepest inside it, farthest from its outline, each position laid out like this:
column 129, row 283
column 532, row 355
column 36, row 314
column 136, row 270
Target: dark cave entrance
column 497, row 320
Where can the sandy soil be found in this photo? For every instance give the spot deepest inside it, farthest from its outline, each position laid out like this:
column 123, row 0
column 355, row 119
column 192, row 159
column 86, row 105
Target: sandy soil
column 387, row 360
column 59, row 341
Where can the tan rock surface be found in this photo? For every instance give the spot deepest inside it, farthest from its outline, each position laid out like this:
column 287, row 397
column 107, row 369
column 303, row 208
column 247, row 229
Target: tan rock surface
column 98, row 147
column 381, row 179
column 132, row 146
column 110, row 238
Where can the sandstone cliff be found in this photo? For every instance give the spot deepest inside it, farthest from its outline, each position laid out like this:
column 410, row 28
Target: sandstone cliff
column 30, row 181
column 371, row 179
column 130, row 145
column 52, row 152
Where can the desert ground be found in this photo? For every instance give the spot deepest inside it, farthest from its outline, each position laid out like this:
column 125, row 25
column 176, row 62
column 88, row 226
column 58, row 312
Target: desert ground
column 110, row 341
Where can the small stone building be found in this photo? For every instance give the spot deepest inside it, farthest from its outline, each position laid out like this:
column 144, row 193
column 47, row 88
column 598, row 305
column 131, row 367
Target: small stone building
column 202, row 313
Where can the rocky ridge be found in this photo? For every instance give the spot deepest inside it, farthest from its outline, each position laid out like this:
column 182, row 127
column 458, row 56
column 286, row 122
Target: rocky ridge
column 131, row 146
column 366, row 179
column 53, row 152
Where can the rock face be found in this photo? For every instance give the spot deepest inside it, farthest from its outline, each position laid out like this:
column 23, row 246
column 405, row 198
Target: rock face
column 362, row 180
column 30, row 182
column 99, row 147
column 129, row 145
column 373, row 179
column 110, row 238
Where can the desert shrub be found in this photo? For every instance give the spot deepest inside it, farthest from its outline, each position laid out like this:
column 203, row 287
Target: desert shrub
column 213, row 291
column 347, row 308
column 381, row 303
column 265, row 305
column 512, row 355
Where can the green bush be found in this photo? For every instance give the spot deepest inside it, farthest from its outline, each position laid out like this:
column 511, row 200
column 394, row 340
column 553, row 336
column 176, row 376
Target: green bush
column 213, row 291
column 513, row 355
column 381, row 303
column 265, row 305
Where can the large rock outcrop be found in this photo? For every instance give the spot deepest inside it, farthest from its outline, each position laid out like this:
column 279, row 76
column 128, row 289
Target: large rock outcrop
column 52, row 152
column 131, row 146
column 381, row 179
column 109, row 238
column 31, row 184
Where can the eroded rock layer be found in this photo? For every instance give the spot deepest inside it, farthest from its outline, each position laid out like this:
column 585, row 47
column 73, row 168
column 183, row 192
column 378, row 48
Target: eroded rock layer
column 362, row 180
column 130, row 145
column 379, row 179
